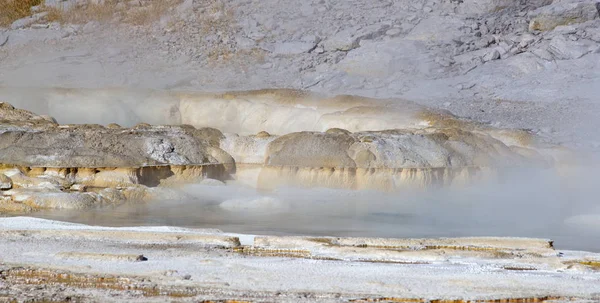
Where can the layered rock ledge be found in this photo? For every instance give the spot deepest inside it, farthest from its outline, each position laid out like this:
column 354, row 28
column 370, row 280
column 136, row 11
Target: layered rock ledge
column 264, row 139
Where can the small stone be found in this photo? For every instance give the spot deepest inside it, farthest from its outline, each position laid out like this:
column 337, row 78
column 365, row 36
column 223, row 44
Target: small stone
column 245, row 43
column 310, row 39
column 141, row 258
column 142, row 125
column 78, row 187
column 484, row 42
column 5, row 182
column 542, row 54
column 484, row 29
column 526, row 40
column 113, row 126
column 266, row 65
column 90, row 26
column 263, row 134
column 39, row 25
column 393, row 32
column 445, row 62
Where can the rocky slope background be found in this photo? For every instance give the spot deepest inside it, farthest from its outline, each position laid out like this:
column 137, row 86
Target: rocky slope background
column 516, row 64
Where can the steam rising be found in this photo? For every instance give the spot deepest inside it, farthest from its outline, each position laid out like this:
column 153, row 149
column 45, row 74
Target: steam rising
column 531, row 202
column 527, row 203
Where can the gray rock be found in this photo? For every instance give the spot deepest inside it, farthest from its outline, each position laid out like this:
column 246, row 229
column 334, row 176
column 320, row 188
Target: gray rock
column 542, row 54
column 563, row 13
column 90, row 26
column 293, row 48
column 61, row 4
column 563, row 49
column 484, row 29
column 484, row 42
column 429, row 29
column 393, row 32
column 478, row 7
column 443, row 61
column 493, row 55
column 5, row 182
column 185, row 7
column 27, row 21
column 244, row 43
column 526, row 40
column 40, row 25
column 591, row 34
column 311, row 39
column 349, row 39
column 36, row 9
column 385, row 58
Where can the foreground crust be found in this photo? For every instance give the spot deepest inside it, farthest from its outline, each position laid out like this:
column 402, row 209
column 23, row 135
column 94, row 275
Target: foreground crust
column 50, row 260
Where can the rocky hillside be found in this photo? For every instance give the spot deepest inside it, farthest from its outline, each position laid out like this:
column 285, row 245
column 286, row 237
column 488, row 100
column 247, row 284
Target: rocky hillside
column 524, row 64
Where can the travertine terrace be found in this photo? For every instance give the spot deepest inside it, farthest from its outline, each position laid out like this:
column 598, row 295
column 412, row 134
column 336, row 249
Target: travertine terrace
column 265, row 139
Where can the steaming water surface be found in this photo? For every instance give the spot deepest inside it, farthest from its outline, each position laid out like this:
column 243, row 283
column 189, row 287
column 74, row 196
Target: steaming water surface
column 525, row 204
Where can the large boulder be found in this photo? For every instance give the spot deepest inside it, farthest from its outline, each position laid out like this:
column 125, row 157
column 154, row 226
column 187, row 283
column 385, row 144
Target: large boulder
column 478, row 7
column 563, row 49
column 61, row 200
column 563, row 12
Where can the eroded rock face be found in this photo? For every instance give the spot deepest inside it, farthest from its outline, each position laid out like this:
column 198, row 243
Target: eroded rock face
column 384, row 160
column 80, row 146
column 45, row 165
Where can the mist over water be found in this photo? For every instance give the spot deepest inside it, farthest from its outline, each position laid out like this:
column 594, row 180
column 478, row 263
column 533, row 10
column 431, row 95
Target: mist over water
column 560, row 204
column 524, row 203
